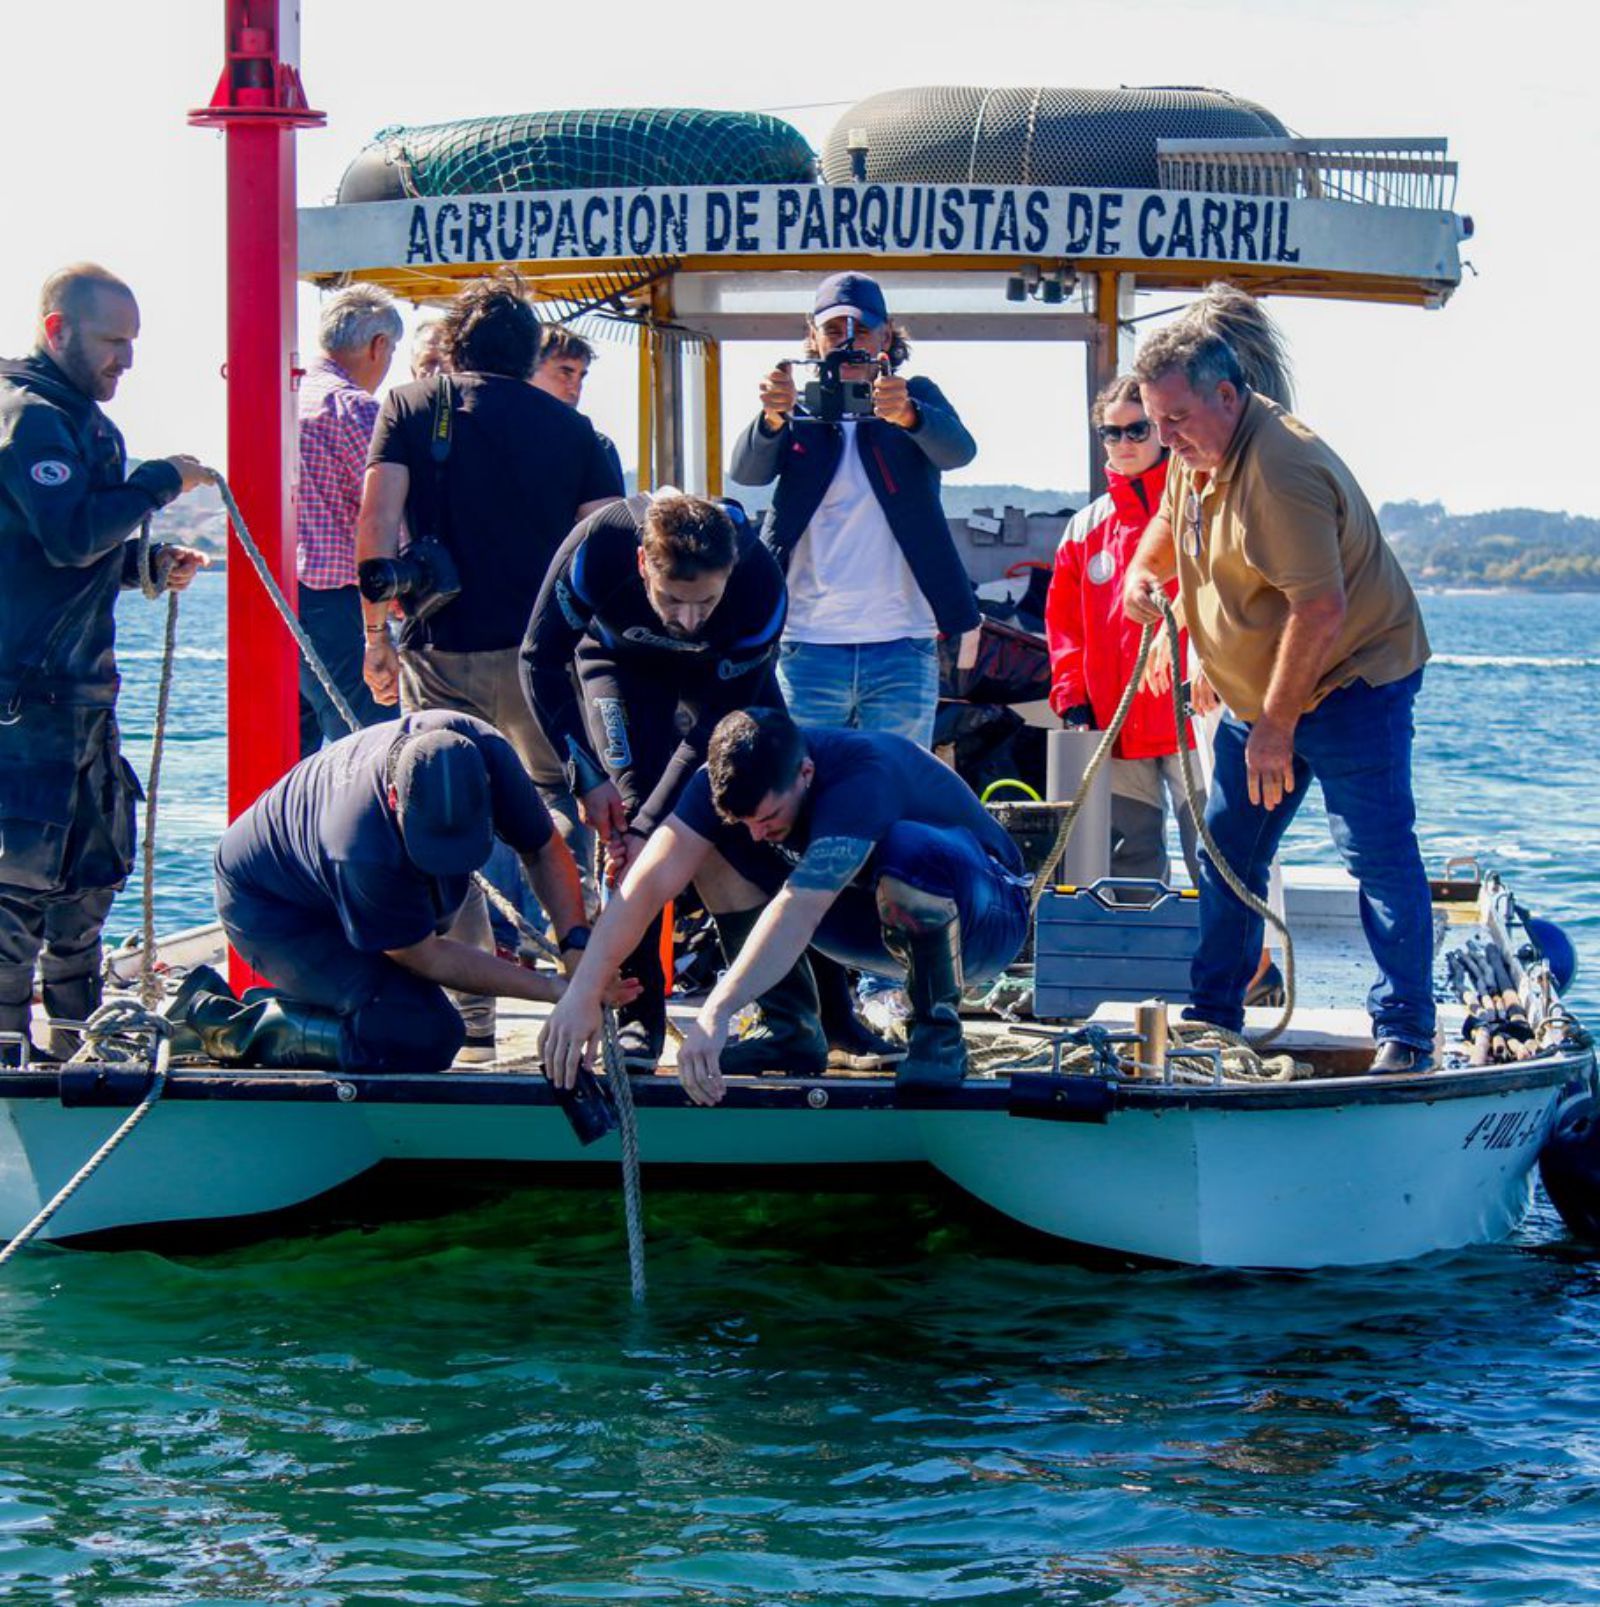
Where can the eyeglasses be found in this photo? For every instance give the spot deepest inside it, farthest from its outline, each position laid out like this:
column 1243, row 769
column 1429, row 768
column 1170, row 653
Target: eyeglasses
column 1194, row 525
column 1115, row 432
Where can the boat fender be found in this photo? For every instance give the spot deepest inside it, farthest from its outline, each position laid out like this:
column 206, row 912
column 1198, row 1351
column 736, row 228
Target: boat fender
column 1043, row 1097
column 85, row 1087
column 1569, row 1164
column 1551, row 944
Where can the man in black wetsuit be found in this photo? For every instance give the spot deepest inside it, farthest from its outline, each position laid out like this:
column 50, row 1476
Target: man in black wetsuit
column 68, row 508
column 656, row 619
column 340, row 883
column 859, row 843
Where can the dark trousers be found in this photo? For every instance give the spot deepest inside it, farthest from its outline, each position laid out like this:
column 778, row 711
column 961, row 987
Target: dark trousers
column 392, row 1020
column 67, row 803
column 1357, row 744
column 332, row 619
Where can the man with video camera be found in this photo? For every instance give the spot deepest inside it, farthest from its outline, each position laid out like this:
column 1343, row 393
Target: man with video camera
column 488, row 474
column 856, row 523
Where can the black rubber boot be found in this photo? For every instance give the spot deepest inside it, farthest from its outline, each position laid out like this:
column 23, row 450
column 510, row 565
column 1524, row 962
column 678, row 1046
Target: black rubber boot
column 75, row 999
column 642, row 1025
column 924, row 932
column 273, row 1032
column 279, row 1034
column 852, row 1044
column 789, row 1037
column 15, row 1018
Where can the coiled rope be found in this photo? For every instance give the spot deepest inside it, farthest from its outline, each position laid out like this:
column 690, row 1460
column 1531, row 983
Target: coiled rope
column 616, row 1069
column 112, row 1034
column 1197, row 808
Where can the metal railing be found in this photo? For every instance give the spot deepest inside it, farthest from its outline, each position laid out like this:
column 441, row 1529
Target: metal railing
column 1372, row 172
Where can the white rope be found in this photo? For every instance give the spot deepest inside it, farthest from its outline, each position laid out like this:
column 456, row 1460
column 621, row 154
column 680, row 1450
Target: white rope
column 113, row 1020
column 1197, row 809
column 628, row 1134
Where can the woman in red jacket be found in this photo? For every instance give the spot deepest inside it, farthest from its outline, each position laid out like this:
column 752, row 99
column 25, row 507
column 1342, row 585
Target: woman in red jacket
column 1094, row 645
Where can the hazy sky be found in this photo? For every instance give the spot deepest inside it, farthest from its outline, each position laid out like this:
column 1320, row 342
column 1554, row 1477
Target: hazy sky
column 1455, row 405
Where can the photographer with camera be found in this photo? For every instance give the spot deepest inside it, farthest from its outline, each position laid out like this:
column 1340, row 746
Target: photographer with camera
column 856, row 524
column 489, row 474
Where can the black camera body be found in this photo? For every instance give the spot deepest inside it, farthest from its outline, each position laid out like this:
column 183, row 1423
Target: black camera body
column 829, row 396
column 424, row 578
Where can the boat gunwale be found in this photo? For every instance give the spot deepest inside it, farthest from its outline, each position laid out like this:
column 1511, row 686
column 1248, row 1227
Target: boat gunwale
column 851, row 1093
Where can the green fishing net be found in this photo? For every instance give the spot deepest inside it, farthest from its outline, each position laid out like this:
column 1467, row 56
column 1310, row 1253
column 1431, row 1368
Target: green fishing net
column 579, row 150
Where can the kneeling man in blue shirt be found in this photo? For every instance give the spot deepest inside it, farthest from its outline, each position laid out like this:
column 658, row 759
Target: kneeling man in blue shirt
column 338, row 884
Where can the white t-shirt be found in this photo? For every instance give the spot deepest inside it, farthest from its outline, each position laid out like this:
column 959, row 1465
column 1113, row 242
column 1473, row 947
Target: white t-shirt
column 849, row 582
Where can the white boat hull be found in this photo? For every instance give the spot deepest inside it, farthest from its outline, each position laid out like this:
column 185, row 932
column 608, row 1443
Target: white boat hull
column 1299, row 1176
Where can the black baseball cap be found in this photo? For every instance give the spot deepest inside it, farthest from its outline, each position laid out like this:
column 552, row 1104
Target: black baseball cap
column 850, row 295
column 442, row 799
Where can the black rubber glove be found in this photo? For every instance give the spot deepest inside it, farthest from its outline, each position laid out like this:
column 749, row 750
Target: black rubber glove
column 1080, row 717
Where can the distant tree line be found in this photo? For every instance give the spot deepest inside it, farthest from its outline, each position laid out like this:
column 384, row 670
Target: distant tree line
column 1526, row 548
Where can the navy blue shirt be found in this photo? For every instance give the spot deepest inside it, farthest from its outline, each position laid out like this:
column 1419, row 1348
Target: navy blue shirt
column 324, row 845
column 865, row 782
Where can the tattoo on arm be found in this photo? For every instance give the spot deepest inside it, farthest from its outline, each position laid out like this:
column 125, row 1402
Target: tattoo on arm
column 830, row 863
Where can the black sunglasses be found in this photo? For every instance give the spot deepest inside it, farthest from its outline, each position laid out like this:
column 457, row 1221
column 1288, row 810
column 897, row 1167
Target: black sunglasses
column 1115, row 432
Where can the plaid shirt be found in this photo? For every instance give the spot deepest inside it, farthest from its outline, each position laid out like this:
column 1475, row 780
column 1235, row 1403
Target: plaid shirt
column 337, row 418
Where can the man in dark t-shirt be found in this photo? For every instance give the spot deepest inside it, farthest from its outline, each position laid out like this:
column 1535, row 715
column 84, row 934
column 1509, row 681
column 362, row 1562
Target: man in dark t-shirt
column 498, row 472
column 657, row 618
column 339, row 883
column 861, row 843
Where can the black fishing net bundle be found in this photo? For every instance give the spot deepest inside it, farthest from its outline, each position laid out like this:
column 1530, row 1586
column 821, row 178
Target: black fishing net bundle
column 1098, row 138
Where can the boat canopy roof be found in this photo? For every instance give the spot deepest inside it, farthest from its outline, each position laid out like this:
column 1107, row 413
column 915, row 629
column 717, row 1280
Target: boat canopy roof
column 1355, row 219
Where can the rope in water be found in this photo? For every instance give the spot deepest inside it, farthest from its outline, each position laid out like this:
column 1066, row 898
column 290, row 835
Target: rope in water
column 1197, row 808
column 117, row 1019
column 616, row 1070
column 628, row 1134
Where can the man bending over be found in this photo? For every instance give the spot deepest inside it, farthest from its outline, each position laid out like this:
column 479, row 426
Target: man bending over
column 861, row 843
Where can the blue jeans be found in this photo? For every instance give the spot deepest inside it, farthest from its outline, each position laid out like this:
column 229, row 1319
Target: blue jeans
column 332, row 619
column 879, row 686
column 1357, row 744
column 947, row 861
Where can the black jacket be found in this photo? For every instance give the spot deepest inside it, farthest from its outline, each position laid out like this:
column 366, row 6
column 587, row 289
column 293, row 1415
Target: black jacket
column 903, row 467
column 67, row 509
column 594, row 606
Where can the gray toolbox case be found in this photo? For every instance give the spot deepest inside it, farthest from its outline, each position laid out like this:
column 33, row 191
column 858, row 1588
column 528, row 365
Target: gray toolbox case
column 1115, row 939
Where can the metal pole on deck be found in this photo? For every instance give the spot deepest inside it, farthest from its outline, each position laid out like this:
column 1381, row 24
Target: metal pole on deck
column 258, row 104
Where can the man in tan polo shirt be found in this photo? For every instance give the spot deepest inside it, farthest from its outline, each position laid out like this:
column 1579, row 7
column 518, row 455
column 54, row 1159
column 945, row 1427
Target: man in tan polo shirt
column 1307, row 629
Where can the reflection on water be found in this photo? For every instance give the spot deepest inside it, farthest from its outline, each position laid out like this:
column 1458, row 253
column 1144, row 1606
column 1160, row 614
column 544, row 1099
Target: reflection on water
column 830, row 1400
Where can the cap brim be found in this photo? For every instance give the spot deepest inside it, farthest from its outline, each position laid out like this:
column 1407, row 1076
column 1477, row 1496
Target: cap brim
column 866, row 320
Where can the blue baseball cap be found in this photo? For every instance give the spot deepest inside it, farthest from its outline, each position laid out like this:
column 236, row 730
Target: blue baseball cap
column 442, row 799
column 850, row 295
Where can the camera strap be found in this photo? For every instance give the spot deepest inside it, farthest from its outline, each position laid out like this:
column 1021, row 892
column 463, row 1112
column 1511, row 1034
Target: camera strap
column 440, row 439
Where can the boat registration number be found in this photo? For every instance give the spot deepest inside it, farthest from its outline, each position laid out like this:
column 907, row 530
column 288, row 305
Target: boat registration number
column 1506, row 1129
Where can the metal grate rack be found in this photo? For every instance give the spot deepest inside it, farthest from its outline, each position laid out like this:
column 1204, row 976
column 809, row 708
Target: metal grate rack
column 1371, row 172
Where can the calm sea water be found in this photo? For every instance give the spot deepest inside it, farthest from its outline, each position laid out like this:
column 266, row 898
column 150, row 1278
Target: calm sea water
column 836, row 1400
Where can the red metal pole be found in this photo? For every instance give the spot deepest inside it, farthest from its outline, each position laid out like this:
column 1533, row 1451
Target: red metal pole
column 259, row 104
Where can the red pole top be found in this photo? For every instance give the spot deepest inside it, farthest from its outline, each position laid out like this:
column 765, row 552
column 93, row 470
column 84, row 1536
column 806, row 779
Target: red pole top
column 260, row 79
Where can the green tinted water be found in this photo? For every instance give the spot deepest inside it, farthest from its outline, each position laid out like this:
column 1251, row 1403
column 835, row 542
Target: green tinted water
column 832, row 1401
